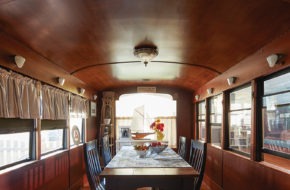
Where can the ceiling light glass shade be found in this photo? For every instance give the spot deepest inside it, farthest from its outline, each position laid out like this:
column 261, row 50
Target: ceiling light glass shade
column 231, row 80
column 146, row 54
column 272, row 60
column 61, row 81
column 81, row 90
column 19, row 61
column 209, row 90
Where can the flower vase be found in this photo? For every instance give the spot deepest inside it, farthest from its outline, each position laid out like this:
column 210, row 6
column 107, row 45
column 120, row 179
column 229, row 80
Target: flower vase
column 160, row 135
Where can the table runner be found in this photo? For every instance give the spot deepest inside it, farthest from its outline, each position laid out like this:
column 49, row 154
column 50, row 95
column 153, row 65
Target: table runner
column 128, row 158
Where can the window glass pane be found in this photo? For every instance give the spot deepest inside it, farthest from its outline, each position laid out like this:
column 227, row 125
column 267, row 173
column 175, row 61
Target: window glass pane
column 14, row 147
column 76, row 130
column 216, row 109
column 201, row 121
column 202, row 131
column 276, row 122
column 241, row 99
column 240, row 130
column 201, row 110
column 216, row 119
column 277, row 84
column 51, row 140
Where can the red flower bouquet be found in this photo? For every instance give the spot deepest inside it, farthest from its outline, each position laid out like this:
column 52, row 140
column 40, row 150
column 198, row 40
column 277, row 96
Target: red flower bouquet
column 158, row 127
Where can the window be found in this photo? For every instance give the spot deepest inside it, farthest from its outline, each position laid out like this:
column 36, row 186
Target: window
column 201, row 121
column 240, row 120
column 52, row 135
column 276, row 115
column 138, row 111
column 216, row 111
column 76, row 131
column 16, row 136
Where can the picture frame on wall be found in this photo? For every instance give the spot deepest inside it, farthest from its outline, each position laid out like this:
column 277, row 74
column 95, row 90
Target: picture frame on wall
column 93, row 109
column 125, row 133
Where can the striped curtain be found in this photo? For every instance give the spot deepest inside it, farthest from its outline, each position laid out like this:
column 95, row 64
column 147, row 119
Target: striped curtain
column 79, row 107
column 18, row 96
column 55, row 103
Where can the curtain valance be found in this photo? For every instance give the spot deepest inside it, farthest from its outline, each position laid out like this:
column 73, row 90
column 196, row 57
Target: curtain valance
column 55, row 103
column 19, row 96
column 78, row 107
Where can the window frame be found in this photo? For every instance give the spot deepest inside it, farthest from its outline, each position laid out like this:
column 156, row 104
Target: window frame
column 199, row 120
column 269, row 77
column 229, row 111
column 210, row 123
column 64, row 134
column 12, row 127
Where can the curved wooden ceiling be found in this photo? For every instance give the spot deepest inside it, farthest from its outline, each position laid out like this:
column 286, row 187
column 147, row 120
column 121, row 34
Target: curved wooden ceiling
column 93, row 40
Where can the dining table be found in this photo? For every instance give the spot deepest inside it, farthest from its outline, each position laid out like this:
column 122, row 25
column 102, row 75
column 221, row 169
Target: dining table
column 166, row 170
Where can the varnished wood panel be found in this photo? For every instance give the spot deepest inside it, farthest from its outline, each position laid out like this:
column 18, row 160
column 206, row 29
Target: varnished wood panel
column 240, row 173
column 49, row 173
column 214, row 165
column 76, row 168
column 254, row 66
column 101, row 35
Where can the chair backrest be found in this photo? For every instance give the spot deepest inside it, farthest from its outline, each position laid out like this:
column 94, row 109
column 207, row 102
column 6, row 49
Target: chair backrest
column 92, row 163
column 106, row 153
column 197, row 160
column 182, row 147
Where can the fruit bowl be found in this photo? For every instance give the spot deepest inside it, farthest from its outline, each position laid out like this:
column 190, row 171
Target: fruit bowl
column 141, row 153
column 157, row 147
column 141, row 150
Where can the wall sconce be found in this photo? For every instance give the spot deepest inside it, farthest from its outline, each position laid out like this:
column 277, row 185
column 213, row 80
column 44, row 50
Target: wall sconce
column 81, row 90
column 196, row 97
column 231, row 80
column 95, row 97
column 209, row 90
column 19, row 61
column 61, row 81
column 275, row 59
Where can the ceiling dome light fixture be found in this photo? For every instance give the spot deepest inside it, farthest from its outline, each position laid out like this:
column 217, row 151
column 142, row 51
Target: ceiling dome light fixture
column 146, row 54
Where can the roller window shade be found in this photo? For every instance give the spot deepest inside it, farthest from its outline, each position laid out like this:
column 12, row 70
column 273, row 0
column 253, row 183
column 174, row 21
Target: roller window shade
column 53, row 124
column 9, row 125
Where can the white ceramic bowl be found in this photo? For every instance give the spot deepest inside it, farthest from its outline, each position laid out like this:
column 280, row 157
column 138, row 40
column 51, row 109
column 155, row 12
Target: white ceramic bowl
column 158, row 149
column 141, row 153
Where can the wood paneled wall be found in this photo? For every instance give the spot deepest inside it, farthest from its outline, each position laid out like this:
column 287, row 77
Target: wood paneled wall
column 227, row 170
column 49, row 173
column 58, row 172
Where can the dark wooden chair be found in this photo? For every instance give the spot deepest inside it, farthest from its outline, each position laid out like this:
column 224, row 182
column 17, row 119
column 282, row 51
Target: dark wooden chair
column 93, row 166
column 106, row 153
column 182, row 147
column 197, row 160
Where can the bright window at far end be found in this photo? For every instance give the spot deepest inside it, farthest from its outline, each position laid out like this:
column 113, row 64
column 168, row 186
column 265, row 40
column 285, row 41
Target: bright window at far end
column 138, row 111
